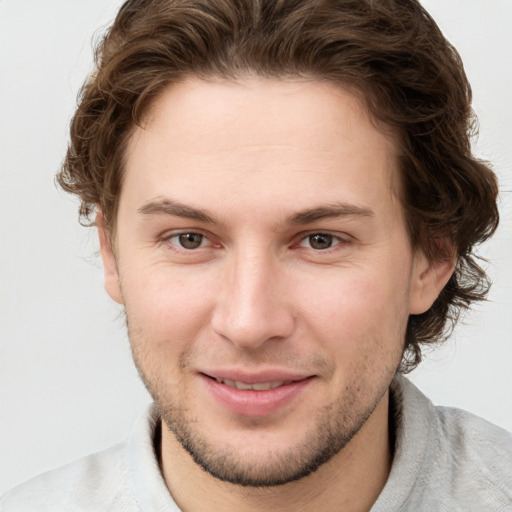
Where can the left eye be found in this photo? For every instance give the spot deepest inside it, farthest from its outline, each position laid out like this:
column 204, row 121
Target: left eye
column 320, row 241
column 189, row 240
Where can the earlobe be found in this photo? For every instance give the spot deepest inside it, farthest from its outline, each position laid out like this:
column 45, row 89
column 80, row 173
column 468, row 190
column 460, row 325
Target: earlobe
column 111, row 276
column 428, row 279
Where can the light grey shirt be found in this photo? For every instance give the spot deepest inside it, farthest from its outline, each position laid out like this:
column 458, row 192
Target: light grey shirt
column 445, row 460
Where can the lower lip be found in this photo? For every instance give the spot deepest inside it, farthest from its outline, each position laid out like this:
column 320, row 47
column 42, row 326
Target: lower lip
column 249, row 402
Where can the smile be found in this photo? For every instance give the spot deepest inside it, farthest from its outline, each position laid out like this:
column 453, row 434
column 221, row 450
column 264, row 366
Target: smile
column 258, row 386
column 255, row 395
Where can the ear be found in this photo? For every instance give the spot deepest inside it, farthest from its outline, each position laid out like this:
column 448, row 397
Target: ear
column 112, row 283
column 430, row 277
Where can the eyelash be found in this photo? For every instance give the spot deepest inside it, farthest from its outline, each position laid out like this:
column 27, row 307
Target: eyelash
column 336, row 240
column 168, row 238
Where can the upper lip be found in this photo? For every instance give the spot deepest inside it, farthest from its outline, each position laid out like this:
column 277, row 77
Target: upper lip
column 270, row 375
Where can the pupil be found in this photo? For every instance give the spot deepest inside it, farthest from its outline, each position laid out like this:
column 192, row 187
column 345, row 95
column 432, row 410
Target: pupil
column 191, row 240
column 320, row 241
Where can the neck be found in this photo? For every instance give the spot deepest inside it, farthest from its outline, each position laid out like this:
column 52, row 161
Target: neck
column 349, row 481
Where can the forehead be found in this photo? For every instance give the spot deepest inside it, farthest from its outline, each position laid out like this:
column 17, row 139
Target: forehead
column 260, row 140
column 302, row 110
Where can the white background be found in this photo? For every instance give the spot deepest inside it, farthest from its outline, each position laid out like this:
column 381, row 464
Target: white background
column 67, row 383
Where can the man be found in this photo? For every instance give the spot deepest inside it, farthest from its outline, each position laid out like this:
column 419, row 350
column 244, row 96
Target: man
column 287, row 208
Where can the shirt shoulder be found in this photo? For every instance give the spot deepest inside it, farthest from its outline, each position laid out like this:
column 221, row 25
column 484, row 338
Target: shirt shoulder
column 96, row 482
column 445, row 459
column 123, row 478
column 480, row 455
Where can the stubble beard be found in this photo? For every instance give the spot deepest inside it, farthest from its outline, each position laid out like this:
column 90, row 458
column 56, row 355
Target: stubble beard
column 335, row 425
column 333, row 429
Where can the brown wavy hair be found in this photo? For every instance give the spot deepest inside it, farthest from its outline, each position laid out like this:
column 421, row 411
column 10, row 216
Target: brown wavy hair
column 390, row 51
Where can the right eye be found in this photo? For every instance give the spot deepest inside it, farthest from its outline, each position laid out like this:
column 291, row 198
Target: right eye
column 319, row 241
column 188, row 241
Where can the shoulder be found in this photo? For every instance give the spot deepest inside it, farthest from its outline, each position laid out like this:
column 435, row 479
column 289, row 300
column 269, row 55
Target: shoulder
column 452, row 459
column 125, row 477
column 96, row 482
column 480, row 451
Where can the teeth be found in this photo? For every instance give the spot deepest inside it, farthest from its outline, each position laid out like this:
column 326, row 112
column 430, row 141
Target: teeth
column 259, row 386
column 242, row 385
column 262, row 386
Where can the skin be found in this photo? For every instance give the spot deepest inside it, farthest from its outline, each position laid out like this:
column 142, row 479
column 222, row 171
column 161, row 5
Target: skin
column 303, row 267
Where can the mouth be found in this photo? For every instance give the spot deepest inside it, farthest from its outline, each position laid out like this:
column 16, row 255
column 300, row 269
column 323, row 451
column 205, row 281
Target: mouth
column 255, row 395
column 257, row 386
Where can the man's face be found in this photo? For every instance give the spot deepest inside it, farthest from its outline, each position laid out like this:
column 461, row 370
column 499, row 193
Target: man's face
column 260, row 244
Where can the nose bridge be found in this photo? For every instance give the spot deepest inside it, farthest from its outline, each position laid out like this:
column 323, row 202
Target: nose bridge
column 252, row 306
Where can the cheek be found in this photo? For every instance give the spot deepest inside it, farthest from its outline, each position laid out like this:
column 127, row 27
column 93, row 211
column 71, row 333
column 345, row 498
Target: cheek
column 165, row 305
column 358, row 309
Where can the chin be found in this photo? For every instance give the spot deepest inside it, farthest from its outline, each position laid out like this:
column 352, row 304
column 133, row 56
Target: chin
column 261, row 458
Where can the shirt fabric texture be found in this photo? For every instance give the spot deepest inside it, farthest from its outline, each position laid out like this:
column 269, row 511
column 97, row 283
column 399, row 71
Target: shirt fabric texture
column 445, row 460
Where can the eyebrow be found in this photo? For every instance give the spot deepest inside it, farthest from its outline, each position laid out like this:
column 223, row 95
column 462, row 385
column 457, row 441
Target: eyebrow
column 176, row 209
column 330, row 212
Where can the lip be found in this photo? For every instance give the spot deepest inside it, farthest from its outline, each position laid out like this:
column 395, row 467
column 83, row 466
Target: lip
column 255, row 403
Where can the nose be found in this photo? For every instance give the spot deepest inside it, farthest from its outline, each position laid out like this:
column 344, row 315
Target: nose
column 253, row 305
